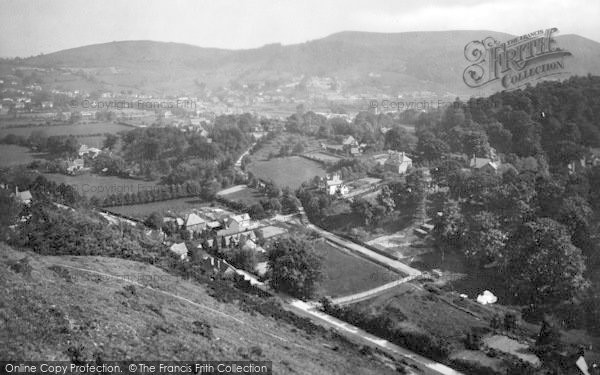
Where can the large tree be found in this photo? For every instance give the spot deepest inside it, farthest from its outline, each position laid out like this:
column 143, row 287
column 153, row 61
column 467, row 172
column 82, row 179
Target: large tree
column 543, row 265
column 294, row 267
column 400, row 140
column 431, row 147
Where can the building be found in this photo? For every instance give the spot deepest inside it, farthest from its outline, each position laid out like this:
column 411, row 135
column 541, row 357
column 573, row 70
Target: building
column 180, row 250
column 85, row 150
column 24, row 197
column 333, row 184
column 397, row 162
column 194, row 223
column 178, row 222
column 349, row 142
column 75, row 166
column 484, row 164
column 239, row 223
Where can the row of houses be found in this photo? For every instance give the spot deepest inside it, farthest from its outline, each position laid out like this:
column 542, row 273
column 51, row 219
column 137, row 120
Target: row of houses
column 213, row 263
column 348, row 145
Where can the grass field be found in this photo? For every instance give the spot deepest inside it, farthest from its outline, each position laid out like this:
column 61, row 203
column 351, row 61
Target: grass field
column 79, row 129
column 92, row 141
column 11, row 155
column 90, row 185
column 324, row 157
column 289, row 171
column 142, row 211
column 243, row 195
column 346, row 273
column 273, row 146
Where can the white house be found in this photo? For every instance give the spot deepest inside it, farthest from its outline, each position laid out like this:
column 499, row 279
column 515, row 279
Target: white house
column 333, row 184
column 484, row 164
column 24, row 197
column 397, row 162
column 180, row 249
column 194, row 223
column 75, row 165
column 239, row 223
column 350, row 141
column 83, row 150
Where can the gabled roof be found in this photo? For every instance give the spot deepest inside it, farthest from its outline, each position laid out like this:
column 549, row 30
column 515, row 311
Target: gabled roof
column 240, row 218
column 193, row 219
column 24, row 196
column 349, row 141
column 398, row 158
column 249, row 245
column 213, row 224
column 479, row 163
column 179, row 249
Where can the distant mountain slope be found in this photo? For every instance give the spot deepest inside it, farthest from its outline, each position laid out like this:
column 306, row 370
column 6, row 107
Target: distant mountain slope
column 364, row 62
column 52, row 310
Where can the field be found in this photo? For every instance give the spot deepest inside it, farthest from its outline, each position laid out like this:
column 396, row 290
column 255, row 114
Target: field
column 142, row 211
column 77, row 130
column 90, row 185
column 322, row 156
column 289, row 171
column 11, row 155
column 92, row 141
column 242, row 194
column 273, row 146
column 346, row 273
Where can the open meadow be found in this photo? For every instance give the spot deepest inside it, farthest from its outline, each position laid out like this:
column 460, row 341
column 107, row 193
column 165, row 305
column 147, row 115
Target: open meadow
column 142, row 211
column 66, row 129
column 242, row 194
column 346, row 273
column 289, row 171
column 11, row 155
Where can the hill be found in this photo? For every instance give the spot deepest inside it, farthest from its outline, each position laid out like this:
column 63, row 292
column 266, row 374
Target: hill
column 359, row 62
column 52, row 309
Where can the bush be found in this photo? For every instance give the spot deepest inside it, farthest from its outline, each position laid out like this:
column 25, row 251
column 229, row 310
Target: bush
column 21, row 266
column 203, row 329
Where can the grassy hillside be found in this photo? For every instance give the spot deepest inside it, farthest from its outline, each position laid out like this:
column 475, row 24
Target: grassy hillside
column 364, row 62
column 50, row 310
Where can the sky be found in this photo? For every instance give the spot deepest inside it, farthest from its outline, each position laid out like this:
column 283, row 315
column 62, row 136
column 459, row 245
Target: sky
column 31, row 27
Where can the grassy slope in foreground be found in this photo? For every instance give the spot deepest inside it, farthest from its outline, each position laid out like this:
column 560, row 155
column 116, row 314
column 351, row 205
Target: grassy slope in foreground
column 55, row 308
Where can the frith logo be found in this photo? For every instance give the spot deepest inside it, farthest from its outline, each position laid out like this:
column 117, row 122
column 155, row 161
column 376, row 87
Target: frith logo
column 515, row 62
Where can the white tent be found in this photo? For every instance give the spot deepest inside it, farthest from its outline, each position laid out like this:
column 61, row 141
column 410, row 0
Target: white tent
column 487, row 298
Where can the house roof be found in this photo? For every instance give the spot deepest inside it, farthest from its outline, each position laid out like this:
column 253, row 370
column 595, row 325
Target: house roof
column 479, row 163
column 349, row 141
column 398, row 158
column 334, row 147
column 194, row 219
column 240, row 218
column 24, row 195
column 179, row 249
column 249, row 245
column 213, row 224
